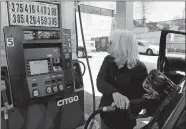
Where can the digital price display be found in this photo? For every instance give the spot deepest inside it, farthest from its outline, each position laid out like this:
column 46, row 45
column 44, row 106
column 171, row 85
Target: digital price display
column 38, row 67
column 33, row 14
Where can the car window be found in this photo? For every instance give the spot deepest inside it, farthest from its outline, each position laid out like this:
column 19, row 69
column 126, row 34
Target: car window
column 175, row 45
column 140, row 43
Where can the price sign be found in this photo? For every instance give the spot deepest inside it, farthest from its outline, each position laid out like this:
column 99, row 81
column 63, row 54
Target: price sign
column 33, row 14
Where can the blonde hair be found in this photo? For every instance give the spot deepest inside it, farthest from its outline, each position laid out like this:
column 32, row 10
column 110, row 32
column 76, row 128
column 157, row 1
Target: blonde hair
column 123, row 48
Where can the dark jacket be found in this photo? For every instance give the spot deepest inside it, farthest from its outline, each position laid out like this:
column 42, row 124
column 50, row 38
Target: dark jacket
column 125, row 81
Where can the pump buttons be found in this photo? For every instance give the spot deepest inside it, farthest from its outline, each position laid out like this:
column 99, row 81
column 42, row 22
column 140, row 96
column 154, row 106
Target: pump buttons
column 49, row 90
column 55, row 88
column 35, row 93
column 60, row 87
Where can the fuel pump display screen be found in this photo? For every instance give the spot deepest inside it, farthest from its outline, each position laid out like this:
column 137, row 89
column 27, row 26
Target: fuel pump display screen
column 39, row 67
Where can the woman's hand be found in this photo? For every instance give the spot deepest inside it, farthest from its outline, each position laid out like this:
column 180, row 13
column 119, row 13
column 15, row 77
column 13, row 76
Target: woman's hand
column 121, row 101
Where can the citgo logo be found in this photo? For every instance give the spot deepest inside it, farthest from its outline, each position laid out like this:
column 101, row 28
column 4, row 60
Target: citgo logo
column 67, row 101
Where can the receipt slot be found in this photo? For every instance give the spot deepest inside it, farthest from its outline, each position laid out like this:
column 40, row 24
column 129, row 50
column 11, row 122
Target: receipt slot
column 47, row 89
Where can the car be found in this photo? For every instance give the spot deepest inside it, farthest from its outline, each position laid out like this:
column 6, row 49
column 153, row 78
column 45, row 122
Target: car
column 90, row 47
column 148, row 48
column 82, row 54
column 172, row 113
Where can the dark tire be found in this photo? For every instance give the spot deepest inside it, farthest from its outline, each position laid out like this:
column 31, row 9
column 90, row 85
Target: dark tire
column 149, row 52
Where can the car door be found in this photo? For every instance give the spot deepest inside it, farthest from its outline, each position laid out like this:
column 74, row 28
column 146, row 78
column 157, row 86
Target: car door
column 172, row 64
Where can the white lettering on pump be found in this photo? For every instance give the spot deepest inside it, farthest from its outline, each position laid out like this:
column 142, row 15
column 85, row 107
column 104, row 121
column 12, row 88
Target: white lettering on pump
column 71, row 100
column 76, row 98
column 67, row 101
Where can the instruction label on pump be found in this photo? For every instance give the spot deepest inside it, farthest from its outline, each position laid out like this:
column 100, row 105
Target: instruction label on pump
column 10, row 42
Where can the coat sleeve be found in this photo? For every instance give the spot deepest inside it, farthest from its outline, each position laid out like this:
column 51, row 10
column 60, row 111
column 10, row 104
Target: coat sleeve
column 138, row 79
column 102, row 85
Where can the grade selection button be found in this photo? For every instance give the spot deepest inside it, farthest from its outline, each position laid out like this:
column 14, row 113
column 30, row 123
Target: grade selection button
column 55, row 88
column 49, row 90
column 35, row 93
column 60, row 87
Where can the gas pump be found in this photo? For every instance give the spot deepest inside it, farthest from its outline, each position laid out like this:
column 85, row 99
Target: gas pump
column 45, row 84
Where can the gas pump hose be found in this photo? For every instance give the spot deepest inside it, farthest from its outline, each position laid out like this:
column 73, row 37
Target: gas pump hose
column 91, row 79
column 135, row 103
column 84, row 67
column 98, row 111
column 87, row 60
column 109, row 109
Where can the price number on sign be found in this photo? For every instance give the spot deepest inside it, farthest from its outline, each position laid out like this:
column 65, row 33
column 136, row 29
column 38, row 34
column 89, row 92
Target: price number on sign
column 33, row 14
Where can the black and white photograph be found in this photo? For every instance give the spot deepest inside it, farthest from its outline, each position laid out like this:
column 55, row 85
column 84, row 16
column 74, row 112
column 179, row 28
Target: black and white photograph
column 93, row 64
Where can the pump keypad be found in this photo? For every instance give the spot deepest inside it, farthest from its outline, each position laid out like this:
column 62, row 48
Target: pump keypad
column 60, row 87
column 48, row 83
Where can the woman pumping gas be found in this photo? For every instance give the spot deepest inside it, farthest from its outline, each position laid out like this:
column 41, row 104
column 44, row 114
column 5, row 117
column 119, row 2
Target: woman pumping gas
column 120, row 79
